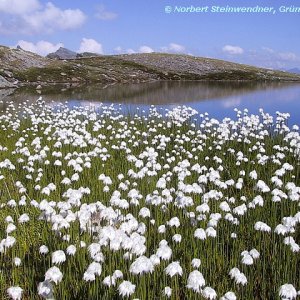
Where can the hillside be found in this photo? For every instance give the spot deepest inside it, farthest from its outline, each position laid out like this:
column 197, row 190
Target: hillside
column 19, row 68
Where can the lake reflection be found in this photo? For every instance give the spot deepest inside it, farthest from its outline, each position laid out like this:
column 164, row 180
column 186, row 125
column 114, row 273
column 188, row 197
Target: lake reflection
column 217, row 98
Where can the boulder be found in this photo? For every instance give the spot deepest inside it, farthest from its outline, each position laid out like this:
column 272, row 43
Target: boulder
column 4, row 84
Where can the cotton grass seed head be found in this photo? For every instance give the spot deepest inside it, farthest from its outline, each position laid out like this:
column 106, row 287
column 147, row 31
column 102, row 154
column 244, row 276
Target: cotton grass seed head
column 54, row 275
column 126, row 288
column 173, row 269
column 15, row 292
column 287, row 291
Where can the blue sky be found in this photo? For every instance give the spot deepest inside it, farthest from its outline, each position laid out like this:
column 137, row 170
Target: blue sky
column 127, row 26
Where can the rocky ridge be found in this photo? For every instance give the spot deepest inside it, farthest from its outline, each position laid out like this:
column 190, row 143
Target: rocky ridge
column 22, row 68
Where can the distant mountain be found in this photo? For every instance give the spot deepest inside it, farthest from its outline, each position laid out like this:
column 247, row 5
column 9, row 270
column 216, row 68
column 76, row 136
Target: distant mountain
column 294, row 70
column 62, row 53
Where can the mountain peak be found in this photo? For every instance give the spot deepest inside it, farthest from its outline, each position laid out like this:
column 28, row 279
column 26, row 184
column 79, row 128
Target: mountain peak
column 62, row 53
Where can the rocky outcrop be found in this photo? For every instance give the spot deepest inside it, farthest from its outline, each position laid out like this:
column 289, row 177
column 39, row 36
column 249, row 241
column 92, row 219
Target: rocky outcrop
column 62, row 53
column 19, row 59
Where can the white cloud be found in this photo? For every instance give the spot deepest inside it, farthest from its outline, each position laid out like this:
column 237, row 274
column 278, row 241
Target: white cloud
column 267, row 49
column 130, row 51
column 288, row 56
column 39, row 18
column 90, row 45
column 171, row 48
column 145, row 49
column 120, row 50
column 41, row 47
column 105, row 15
column 19, row 7
column 52, row 18
column 233, row 50
column 274, row 59
column 175, row 48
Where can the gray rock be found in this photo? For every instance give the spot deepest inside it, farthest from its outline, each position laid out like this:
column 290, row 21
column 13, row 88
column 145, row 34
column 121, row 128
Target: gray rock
column 4, row 84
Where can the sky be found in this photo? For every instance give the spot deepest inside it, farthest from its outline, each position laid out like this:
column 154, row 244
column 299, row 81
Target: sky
column 128, row 26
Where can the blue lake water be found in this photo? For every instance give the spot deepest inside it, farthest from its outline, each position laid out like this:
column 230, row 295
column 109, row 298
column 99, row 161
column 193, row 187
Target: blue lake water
column 216, row 98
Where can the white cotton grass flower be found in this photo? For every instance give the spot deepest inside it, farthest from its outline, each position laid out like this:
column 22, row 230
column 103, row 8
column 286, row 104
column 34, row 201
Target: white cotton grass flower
column 203, row 208
column 24, row 218
column 240, row 210
column 211, row 232
column 155, row 259
column 10, row 228
column 126, row 288
column 224, row 206
column 290, row 241
column 66, row 181
column 94, row 249
column 17, row 261
column 9, row 219
column 58, row 257
column 173, row 269
column 200, row 234
column 195, row 281
column 261, row 226
column 281, row 229
column 93, row 269
column 247, row 259
column 174, row 222
column 141, row 265
column 253, row 175
column 164, row 252
column 229, row 296
column 54, row 275
column 15, row 292
column 9, row 241
column 196, row 263
column 118, row 274
column 161, row 229
column 288, row 292
column 82, row 244
column 262, row 186
column 254, row 253
column 109, row 281
column 75, row 177
column 177, row 238
column 167, row 292
column 44, row 249
column 87, row 276
column 238, row 276
column 295, row 247
column 71, row 250
column 144, row 212
column 233, row 235
column 209, row 293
